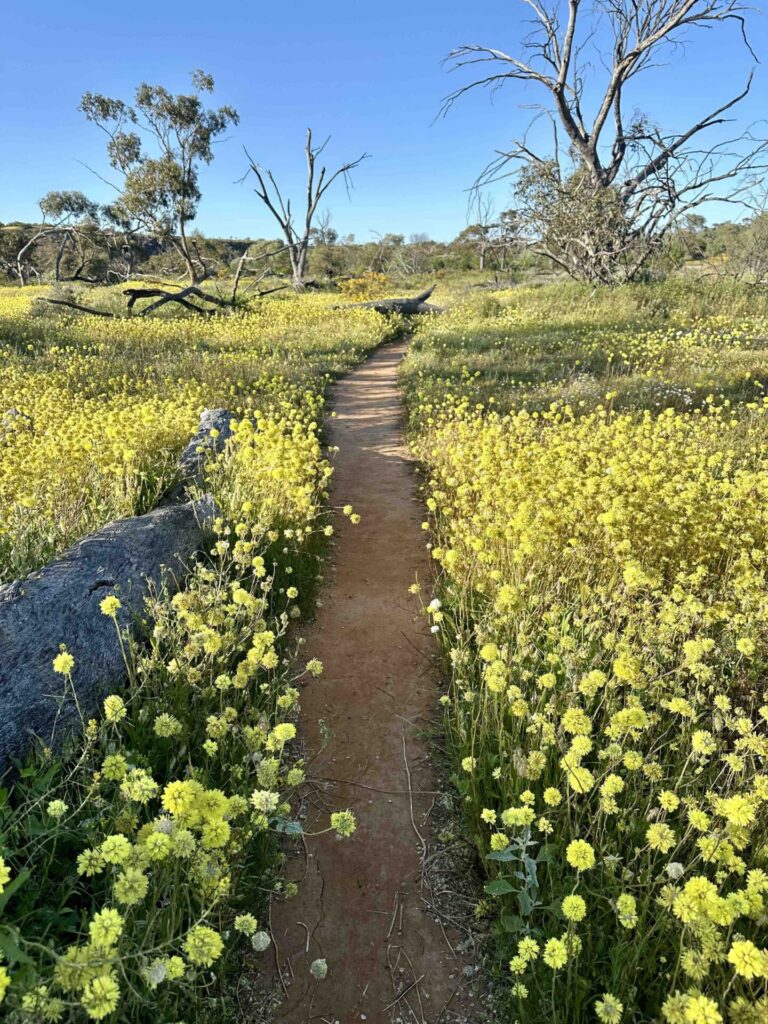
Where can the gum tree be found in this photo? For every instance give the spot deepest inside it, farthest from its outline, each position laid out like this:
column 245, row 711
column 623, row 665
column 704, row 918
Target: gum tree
column 157, row 146
column 62, row 212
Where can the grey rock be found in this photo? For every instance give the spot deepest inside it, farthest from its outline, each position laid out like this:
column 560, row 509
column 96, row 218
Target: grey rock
column 202, row 445
column 60, row 605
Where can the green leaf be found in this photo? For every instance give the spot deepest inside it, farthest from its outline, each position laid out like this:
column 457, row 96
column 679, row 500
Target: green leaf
column 290, row 828
column 499, row 887
column 503, row 855
column 547, row 853
column 10, row 948
column 12, row 887
column 512, row 923
column 525, row 902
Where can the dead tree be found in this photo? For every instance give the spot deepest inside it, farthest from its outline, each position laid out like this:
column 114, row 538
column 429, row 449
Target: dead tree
column 405, row 307
column 257, row 277
column 600, row 203
column 298, row 237
column 162, row 296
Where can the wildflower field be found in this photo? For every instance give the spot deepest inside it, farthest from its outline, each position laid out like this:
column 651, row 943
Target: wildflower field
column 135, row 867
column 596, row 473
column 111, row 403
column 595, row 468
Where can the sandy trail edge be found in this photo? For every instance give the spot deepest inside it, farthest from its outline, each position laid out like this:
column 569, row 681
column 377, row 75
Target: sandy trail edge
column 361, row 903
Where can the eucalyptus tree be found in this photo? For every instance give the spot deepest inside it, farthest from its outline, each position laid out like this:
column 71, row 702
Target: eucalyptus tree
column 62, row 213
column 157, row 145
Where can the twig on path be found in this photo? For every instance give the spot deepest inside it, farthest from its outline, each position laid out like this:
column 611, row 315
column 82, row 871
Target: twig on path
column 439, row 919
column 404, row 993
column 306, row 929
column 277, row 951
column 394, row 914
column 410, row 802
column 429, row 812
column 311, row 1001
column 427, row 657
column 414, row 984
column 389, row 792
column 450, row 1000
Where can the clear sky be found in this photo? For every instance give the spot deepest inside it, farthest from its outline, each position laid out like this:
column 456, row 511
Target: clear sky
column 369, row 74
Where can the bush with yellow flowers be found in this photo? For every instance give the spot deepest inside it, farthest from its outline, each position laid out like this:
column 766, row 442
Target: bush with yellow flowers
column 135, row 867
column 370, row 285
column 602, row 595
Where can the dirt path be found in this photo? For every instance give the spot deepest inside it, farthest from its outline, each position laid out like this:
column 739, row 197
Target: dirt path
column 361, row 905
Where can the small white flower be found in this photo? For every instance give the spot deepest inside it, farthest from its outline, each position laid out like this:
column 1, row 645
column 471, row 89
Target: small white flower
column 156, row 973
column 318, row 969
column 261, row 941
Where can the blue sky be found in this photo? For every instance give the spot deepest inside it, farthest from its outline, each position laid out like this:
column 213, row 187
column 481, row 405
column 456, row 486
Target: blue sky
column 369, row 74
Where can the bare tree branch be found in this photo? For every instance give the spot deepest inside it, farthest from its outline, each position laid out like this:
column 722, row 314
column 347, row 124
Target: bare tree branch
column 317, row 184
column 638, row 178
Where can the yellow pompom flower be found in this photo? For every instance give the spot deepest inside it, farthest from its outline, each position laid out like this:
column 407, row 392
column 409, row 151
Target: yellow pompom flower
column 203, row 946
column 105, row 928
column 555, row 954
column 114, row 708
column 100, row 996
column 343, row 823
column 5, row 874
column 63, row 663
column 110, row 606
column 660, row 837
column 608, row 1009
column 580, row 855
column 574, row 908
column 748, row 961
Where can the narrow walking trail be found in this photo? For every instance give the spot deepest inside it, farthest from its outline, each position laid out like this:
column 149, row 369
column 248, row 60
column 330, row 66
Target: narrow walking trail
column 361, row 904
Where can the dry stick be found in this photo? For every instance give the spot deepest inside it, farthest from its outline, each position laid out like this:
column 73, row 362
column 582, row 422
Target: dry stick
column 389, row 792
column 396, row 1002
column 77, row 305
column 439, row 919
column 415, row 984
column 450, row 1000
column 306, row 929
column 404, row 993
column 428, row 657
column 394, row 914
column 429, row 812
column 410, row 803
column 277, row 952
column 311, row 1002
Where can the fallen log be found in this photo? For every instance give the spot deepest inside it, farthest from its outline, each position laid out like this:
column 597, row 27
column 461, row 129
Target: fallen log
column 204, row 443
column 60, row 605
column 406, row 307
